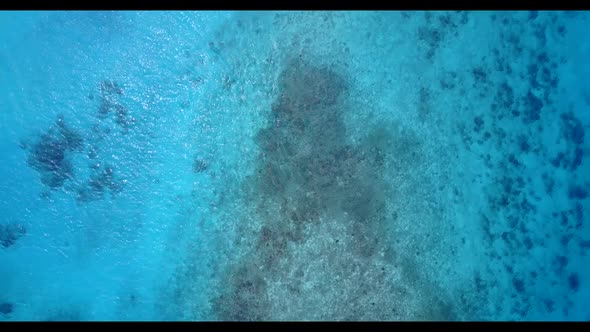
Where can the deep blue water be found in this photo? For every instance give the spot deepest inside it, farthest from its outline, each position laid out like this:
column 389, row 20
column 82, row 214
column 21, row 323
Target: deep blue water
column 294, row 166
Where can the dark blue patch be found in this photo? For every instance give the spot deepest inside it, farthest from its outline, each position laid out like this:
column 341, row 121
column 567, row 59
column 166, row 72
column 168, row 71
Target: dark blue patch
column 508, row 267
column 519, row 182
column 577, row 133
column 549, row 184
column 507, row 185
column 49, row 155
column 10, row 233
column 565, row 239
column 479, row 284
column 528, row 243
column 533, row 14
column 518, row 285
column 479, row 74
column 102, row 181
column 533, row 106
column 543, row 57
column 541, row 36
column 577, row 192
column 578, row 158
column 564, row 219
column 532, row 69
column 553, row 82
column 549, row 305
column 561, row 262
column 526, row 206
column 478, row 122
column 512, row 159
column 556, row 162
column 523, row 143
column 579, row 215
column 573, row 282
column 504, row 201
column 505, row 96
column 200, row 165
column 6, row 308
column 573, row 128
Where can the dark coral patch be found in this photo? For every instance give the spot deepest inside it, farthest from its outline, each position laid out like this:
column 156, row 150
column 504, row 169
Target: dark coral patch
column 573, row 281
column 573, row 129
column 577, row 192
column 579, row 215
column 6, row 308
column 102, row 182
column 518, row 285
column 578, row 158
column 50, row 154
column 532, row 108
column 200, row 165
column 10, row 233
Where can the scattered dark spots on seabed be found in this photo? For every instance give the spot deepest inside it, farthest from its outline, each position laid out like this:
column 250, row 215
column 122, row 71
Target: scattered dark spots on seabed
column 518, row 285
column 479, row 123
column 6, row 308
column 110, row 91
column 577, row 192
column 331, row 175
column 533, row 106
column 479, row 74
column 549, row 305
column 102, row 182
column 565, row 239
column 513, row 161
column 108, row 88
column 434, row 32
column 561, row 262
column 528, row 243
column 432, row 37
column 558, row 160
column 579, row 215
column 10, row 233
column 578, row 158
column 549, row 183
column 505, row 96
column 50, row 154
column 573, row 130
column 573, row 282
column 424, row 106
column 200, row 165
column 523, row 144
column 533, row 14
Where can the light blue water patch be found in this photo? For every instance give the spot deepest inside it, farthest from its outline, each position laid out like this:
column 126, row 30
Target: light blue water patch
column 95, row 259
column 294, row 165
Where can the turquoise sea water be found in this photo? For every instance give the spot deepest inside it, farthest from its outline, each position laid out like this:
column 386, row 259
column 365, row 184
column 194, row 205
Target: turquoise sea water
column 294, row 165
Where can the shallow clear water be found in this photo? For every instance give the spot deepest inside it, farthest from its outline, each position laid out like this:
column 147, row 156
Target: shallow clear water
column 294, row 166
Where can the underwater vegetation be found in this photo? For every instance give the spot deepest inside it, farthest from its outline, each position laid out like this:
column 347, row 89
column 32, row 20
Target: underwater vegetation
column 10, row 233
column 101, row 182
column 110, row 105
column 50, row 155
column 6, row 308
column 309, row 173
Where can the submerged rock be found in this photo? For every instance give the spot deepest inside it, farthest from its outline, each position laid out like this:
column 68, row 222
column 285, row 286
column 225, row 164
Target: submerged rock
column 49, row 155
column 6, row 308
column 10, row 233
